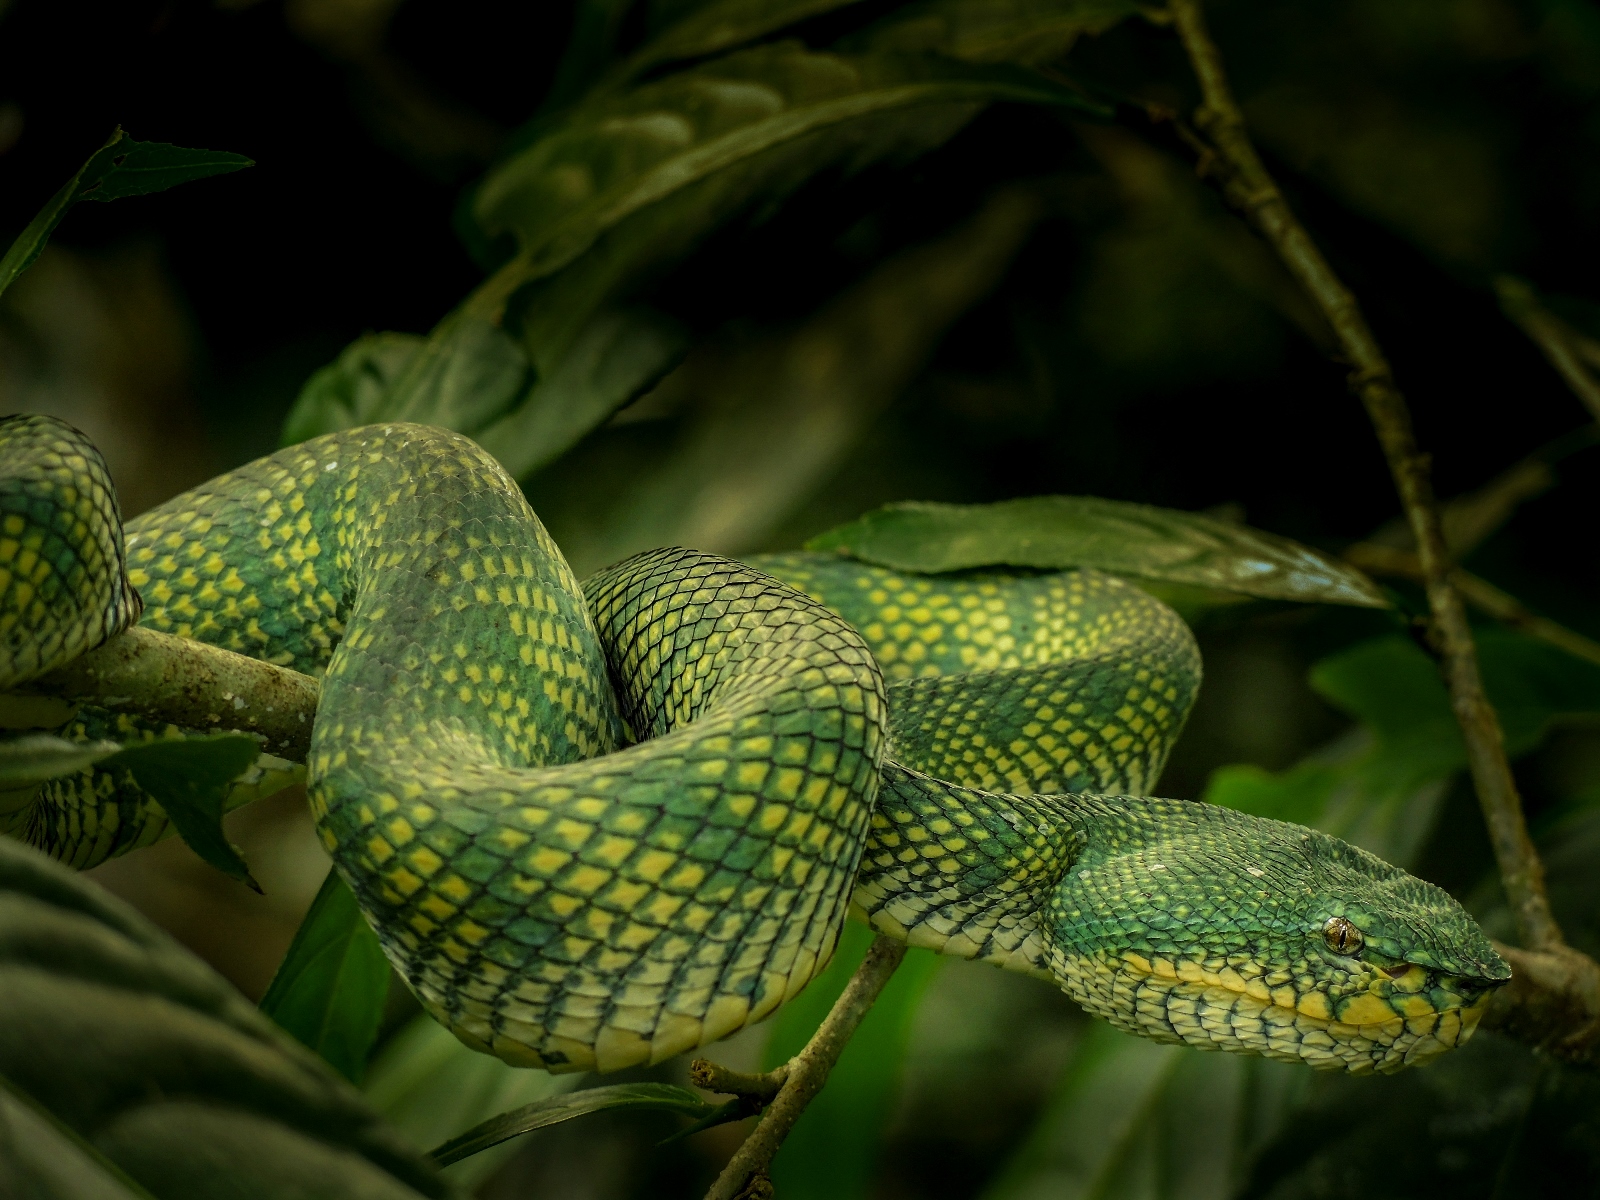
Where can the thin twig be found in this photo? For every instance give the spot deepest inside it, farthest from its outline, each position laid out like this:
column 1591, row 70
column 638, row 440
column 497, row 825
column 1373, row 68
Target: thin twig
column 1248, row 186
column 1480, row 593
column 800, row 1079
column 192, row 684
column 1564, row 347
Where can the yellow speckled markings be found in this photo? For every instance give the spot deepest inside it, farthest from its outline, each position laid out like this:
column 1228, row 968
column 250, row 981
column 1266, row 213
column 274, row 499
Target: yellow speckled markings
column 598, row 826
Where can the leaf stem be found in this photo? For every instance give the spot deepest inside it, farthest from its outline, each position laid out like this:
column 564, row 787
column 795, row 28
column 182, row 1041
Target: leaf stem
column 1248, row 186
column 786, row 1091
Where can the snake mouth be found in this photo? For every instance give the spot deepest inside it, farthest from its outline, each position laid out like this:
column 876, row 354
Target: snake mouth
column 1401, row 1019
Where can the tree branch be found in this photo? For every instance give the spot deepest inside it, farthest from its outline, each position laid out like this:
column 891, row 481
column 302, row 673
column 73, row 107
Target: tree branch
column 1480, row 593
column 191, row 684
column 1568, row 351
column 1251, row 189
column 785, row 1092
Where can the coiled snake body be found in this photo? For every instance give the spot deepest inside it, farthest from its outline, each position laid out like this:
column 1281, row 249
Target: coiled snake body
column 598, row 826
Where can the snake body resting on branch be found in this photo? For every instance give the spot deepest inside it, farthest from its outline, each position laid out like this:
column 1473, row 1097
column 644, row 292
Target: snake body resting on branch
column 598, row 826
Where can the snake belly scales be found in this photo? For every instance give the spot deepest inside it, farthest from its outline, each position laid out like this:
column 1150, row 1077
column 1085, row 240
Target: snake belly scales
column 597, row 826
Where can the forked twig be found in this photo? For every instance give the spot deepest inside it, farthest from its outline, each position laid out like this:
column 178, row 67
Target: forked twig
column 781, row 1095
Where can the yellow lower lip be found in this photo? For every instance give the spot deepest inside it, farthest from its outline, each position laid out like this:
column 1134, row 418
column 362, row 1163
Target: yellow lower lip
column 1384, row 1034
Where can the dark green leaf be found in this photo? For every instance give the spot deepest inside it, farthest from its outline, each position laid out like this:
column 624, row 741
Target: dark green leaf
column 661, row 1096
column 617, row 357
column 833, row 1149
column 715, row 27
column 1381, row 788
column 762, row 422
column 329, row 990
column 143, row 1051
column 730, row 120
column 122, row 167
column 31, row 758
column 349, row 391
column 1131, row 1118
column 431, row 1087
column 42, row 1159
column 1055, row 532
column 1021, row 31
column 190, row 778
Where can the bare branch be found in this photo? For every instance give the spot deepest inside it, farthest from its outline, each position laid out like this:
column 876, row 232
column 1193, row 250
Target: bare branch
column 1571, row 354
column 1551, row 1003
column 191, row 684
column 1248, row 186
column 800, row 1079
column 1480, row 593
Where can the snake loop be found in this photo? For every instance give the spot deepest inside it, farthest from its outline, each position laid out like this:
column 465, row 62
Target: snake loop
column 596, row 826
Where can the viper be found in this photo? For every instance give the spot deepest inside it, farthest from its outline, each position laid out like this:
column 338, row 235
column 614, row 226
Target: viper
column 595, row 825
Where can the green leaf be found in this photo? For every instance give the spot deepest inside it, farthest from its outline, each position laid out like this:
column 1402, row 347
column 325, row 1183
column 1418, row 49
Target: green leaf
column 475, row 380
column 431, row 1087
column 617, row 357
column 756, row 123
column 329, row 991
column 664, row 1097
column 832, row 1152
column 715, row 27
column 1133, row 1118
column 31, row 758
column 761, row 422
column 350, row 390
column 1381, row 787
column 1055, row 532
column 144, row 1052
column 122, row 167
column 1032, row 32
column 45, row 1160
column 189, row 777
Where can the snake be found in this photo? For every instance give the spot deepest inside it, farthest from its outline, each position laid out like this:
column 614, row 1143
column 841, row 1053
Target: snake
column 597, row 824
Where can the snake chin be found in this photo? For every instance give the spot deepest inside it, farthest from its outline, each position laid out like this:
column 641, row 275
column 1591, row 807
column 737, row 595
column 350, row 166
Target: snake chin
column 1389, row 1025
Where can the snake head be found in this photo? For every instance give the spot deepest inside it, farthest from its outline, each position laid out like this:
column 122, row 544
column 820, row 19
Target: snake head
column 1188, row 922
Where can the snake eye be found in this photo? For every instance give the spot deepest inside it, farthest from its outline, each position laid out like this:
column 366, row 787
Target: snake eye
column 1341, row 936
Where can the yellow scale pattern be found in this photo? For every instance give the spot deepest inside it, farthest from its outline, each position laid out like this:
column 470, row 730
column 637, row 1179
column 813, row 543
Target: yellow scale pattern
column 567, row 900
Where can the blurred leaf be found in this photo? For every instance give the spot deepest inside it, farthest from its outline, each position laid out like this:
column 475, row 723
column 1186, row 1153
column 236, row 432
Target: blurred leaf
column 665, row 1097
column 1133, row 1120
column 190, row 778
column 1055, row 532
column 765, row 420
column 618, row 155
column 431, row 1087
column 31, row 758
column 595, row 24
column 147, row 1054
column 832, row 1152
column 1097, row 1116
column 618, row 356
column 714, row 27
column 120, row 168
column 478, row 380
column 349, row 391
column 42, row 1159
column 1381, row 786
column 1032, row 32
column 329, row 991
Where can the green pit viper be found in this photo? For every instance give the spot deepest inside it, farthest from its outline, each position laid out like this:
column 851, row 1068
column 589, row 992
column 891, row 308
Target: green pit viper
column 597, row 825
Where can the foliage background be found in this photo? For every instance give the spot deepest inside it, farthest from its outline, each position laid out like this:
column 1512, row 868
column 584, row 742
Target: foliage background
column 1043, row 304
